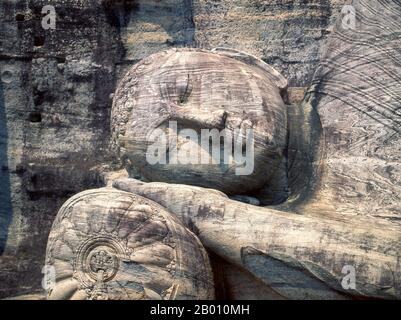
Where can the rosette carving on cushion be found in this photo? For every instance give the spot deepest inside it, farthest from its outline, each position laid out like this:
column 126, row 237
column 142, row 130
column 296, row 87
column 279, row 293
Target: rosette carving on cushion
column 112, row 245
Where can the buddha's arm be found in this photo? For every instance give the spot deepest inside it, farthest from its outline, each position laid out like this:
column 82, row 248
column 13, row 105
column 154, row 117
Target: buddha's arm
column 294, row 254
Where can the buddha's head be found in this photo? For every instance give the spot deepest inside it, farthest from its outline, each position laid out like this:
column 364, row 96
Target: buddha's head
column 214, row 119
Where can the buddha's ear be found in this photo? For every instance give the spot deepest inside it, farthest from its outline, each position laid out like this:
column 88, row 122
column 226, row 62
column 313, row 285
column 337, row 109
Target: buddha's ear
column 247, row 58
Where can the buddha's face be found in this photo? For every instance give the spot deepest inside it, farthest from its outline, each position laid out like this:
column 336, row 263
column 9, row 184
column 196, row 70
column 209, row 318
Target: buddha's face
column 176, row 98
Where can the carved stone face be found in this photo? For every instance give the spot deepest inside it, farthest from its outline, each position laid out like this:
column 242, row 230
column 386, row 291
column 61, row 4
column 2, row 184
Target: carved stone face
column 201, row 90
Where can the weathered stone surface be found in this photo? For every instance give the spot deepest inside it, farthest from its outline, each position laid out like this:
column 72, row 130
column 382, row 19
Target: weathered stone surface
column 190, row 87
column 299, row 257
column 343, row 177
column 287, row 34
column 148, row 26
column 109, row 244
column 234, row 283
column 54, row 112
column 356, row 93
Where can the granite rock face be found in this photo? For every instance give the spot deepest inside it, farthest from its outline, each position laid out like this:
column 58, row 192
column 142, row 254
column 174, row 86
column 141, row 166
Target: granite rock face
column 287, row 34
column 56, row 87
column 295, row 254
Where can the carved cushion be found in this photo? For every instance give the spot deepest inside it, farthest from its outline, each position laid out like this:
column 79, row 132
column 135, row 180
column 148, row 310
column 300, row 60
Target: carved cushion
column 110, row 244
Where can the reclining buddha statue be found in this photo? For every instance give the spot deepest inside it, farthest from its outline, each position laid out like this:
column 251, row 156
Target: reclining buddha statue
column 309, row 205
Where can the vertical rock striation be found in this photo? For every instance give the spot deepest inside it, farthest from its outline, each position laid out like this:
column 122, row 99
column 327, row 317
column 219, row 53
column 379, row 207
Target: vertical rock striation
column 55, row 94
